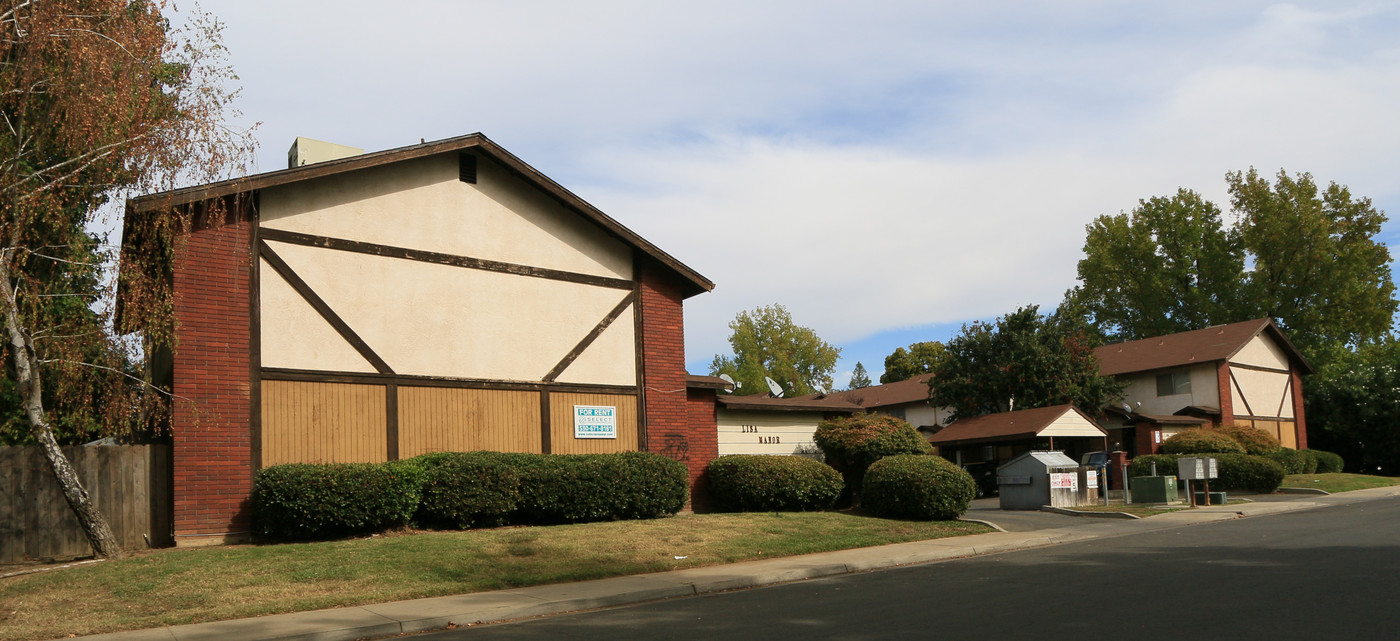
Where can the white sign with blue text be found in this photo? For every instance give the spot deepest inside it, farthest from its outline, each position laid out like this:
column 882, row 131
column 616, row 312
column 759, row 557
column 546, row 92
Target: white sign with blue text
column 595, row 421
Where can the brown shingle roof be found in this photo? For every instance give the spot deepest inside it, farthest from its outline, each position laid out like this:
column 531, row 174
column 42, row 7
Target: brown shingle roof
column 1215, row 343
column 706, row 382
column 914, row 390
column 765, row 403
column 1003, row 425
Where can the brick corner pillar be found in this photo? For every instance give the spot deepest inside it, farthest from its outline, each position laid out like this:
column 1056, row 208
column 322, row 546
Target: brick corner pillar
column 211, row 418
column 701, row 408
column 1227, row 399
column 1147, row 435
column 1300, row 423
column 1117, row 462
column 670, row 430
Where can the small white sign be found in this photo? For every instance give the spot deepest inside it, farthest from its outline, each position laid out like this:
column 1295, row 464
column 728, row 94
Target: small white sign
column 595, row 421
column 1091, row 478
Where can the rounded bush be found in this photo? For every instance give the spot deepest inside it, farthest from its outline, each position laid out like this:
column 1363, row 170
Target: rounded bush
column 1327, row 462
column 301, row 501
column 851, row 444
column 468, row 489
column 753, row 483
column 1201, row 441
column 919, row 487
column 1294, row 461
column 1254, row 440
column 1237, row 471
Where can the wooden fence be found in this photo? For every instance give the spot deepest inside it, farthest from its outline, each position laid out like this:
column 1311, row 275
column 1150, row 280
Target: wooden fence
column 130, row 484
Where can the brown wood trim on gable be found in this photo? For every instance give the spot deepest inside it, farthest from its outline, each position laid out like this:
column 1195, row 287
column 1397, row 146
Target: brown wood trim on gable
column 546, row 424
column 1260, row 368
column 592, row 335
column 387, row 251
column 1287, row 389
column 411, row 380
column 285, row 271
column 1239, row 389
column 391, row 420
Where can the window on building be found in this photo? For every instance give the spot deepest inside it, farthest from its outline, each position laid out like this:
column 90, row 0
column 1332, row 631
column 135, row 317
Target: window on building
column 1173, row 383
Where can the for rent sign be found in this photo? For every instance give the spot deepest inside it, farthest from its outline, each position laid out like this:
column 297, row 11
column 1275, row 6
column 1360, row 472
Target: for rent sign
column 595, row 421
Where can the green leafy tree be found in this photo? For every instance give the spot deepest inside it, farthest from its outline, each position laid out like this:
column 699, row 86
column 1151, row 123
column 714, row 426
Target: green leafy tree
column 767, row 343
column 1318, row 269
column 1170, row 266
column 859, row 378
column 100, row 98
column 1036, row 360
column 1353, row 408
column 904, row 364
column 1167, row 267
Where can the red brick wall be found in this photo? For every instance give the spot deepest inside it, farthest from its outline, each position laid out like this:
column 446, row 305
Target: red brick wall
column 1227, row 399
column 210, row 426
column 703, row 420
column 1301, row 424
column 670, row 428
column 1146, row 439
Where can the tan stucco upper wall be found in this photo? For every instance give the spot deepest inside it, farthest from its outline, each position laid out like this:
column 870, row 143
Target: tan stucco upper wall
column 436, row 320
column 1262, row 351
column 1071, row 424
column 421, row 204
column 918, row 414
column 295, row 336
column 792, row 430
column 1263, row 391
column 1142, row 388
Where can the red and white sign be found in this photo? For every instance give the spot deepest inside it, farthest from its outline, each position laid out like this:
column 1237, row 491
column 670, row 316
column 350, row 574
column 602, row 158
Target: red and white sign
column 1063, row 481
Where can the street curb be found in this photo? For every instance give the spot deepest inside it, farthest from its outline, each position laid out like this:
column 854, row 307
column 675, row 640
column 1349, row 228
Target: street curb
column 1303, row 490
column 1098, row 515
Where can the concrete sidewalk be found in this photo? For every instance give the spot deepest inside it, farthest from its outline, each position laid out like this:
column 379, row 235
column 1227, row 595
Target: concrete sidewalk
column 419, row 615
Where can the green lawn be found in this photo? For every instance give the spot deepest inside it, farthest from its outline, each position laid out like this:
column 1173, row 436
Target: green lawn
column 1339, row 482
column 170, row 587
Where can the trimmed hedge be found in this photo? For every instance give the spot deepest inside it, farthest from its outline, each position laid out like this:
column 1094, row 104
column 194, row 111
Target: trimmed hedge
column 1237, row 471
column 1294, row 461
column 918, row 487
column 1327, row 462
column 576, row 488
column 1201, row 441
column 1254, row 440
column 468, row 489
column 768, row 483
column 320, row 501
column 851, row 444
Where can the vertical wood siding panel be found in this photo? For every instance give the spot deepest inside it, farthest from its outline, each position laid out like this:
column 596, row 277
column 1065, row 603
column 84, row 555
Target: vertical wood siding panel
column 561, row 409
column 434, row 419
column 307, row 422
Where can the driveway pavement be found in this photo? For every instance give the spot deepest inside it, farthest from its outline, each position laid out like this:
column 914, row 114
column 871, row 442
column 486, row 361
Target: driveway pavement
column 1024, row 530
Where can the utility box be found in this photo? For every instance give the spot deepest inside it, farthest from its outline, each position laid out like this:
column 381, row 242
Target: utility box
column 1024, row 483
column 1154, row 489
column 1196, row 469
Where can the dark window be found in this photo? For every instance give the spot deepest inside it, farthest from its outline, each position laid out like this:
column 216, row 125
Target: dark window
column 1173, row 383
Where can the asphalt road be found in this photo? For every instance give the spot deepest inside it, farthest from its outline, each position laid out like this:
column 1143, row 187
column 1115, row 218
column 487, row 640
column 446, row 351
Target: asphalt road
column 1331, row 573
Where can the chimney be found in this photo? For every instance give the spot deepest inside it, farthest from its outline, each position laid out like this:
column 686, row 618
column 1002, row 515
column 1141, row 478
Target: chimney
column 306, row 151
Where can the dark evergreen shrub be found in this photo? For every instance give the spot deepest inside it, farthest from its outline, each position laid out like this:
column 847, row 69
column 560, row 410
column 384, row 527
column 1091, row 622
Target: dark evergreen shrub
column 1294, row 461
column 301, row 501
column 1327, row 462
column 1201, row 440
column 574, row 488
column 1254, row 440
column 1237, row 471
column 744, row 483
column 918, row 487
column 468, row 489
column 851, row 444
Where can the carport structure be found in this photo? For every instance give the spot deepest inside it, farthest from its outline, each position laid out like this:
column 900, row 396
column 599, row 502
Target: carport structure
column 997, row 438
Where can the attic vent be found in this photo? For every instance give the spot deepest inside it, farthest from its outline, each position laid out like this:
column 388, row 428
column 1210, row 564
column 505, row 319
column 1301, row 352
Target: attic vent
column 466, row 167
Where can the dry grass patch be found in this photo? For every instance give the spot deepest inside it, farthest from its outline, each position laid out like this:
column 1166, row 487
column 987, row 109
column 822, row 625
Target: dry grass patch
column 172, row 587
column 1339, row 481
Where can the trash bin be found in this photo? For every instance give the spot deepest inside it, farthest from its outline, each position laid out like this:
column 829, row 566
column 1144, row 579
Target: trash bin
column 1024, row 483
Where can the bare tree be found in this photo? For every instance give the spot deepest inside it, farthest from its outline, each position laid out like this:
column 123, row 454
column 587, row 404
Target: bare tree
column 99, row 99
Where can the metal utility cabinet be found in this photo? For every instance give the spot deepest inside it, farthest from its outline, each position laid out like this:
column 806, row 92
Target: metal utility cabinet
column 1025, row 482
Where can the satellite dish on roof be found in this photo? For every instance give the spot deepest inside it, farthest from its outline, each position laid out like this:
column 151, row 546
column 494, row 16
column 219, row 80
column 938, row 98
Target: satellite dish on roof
column 773, row 387
column 729, row 379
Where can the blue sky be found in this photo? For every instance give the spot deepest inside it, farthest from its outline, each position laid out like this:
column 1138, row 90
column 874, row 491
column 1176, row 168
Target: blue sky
column 886, row 170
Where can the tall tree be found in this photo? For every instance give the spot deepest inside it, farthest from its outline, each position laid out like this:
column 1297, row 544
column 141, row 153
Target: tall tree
column 1353, row 408
column 859, row 378
column 1318, row 269
column 1167, row 267
column 904, row 364
column 1025, row 358
column 99, row 98
column 767, row 343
